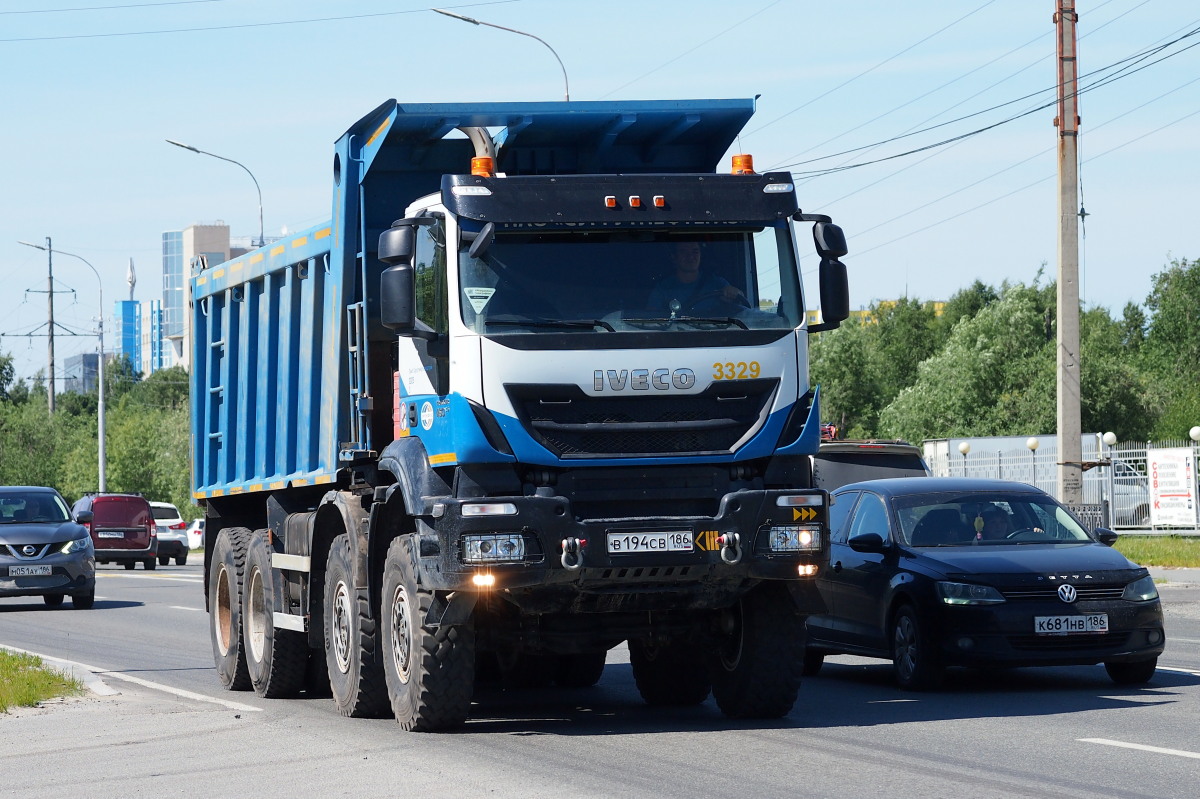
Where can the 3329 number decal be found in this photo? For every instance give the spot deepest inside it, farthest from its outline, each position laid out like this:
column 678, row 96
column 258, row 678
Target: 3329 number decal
column 736, row 371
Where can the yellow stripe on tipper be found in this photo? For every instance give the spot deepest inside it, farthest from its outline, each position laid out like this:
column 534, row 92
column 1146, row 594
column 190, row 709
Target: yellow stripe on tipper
column 378, row 130
column 300, row 242
column 258, row 256
column 218, row 274
column 277, row 250
column 321, row 234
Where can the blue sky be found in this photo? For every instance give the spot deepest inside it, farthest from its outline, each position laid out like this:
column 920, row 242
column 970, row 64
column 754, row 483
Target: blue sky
column 90, row 95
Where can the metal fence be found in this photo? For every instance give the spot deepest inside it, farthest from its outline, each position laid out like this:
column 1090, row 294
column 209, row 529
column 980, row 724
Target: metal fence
column 1116, row 495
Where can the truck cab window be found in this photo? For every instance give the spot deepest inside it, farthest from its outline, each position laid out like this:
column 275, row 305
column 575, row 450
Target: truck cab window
column 429, row 263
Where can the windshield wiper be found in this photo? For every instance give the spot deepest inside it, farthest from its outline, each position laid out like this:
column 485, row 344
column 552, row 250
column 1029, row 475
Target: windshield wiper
column 568, row 323
column 691, row 320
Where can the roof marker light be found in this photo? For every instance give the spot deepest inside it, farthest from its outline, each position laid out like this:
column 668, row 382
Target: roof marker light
column 610, row 201
column 778, row 188
column 635, row 201
column 743, row 164
column 660, row 201
column 482, row 166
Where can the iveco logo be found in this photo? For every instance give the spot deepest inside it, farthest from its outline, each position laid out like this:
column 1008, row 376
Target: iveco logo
column 643, row 379
column 1066, row 592
column 29, row 550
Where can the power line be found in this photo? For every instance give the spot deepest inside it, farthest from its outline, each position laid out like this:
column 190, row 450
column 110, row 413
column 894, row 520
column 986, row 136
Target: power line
column 870, row 70
column 107, row 8
column 242, row 26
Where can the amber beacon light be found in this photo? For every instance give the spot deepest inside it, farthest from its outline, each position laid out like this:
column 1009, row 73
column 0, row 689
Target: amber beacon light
column 482, row 166
column 743, row 164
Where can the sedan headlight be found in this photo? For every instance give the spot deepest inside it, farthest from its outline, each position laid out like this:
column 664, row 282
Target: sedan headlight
column 968, row 594
column 77, row 545
column 493, row 548
column 1142, row 590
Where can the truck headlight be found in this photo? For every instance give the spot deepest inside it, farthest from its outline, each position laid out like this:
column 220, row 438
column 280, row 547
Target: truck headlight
column 493, row 547
column 968, row 594
column 1142, row 590
column 794, row 539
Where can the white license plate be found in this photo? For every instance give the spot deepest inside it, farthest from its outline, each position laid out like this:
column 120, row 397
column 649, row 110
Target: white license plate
column 632, row 543
column 110, row 534
column 1070, row 625
column 27, row 571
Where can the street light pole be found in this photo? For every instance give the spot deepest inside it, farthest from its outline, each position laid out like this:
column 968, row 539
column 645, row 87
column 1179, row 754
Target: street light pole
column 261, row 238
column 566, row 86
column 101, row 454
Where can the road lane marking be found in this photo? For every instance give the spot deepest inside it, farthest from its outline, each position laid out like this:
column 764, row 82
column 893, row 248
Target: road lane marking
column 139, row 681
column 197, row 580
column 1126, row 745
column 1175, row 640
column 181, row 607
column 1179, row 670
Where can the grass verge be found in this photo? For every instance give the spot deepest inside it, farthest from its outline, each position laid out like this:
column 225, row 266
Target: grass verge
column 24, row 681
column 1161, row 550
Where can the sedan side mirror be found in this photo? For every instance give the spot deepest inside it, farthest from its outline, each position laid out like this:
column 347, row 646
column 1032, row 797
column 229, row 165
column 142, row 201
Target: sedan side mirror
column 867, row 542
column 84, row 517
column 1106, row 536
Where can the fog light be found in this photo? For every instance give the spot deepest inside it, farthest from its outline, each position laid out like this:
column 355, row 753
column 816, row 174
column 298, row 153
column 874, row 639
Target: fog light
column 493, row 547
column 807, row 570
column 1154, row 636
column 483, row 580
column 794, row 539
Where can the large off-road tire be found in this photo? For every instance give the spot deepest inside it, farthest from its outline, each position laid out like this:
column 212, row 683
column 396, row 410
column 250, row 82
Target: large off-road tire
column 225, row 612
column 756, row 670
column 275, row 658
column 430, row 671
column 351, row 640
column 916, row 661
column 84, row 601
column 1136, row 673
column 813, row 661
column 580, row 670
column 670, row 674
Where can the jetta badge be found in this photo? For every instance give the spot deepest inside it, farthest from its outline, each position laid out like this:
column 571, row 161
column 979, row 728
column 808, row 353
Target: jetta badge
column 1067, row 593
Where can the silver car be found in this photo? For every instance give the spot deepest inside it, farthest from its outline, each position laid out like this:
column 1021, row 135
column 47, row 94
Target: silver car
column 43, row 551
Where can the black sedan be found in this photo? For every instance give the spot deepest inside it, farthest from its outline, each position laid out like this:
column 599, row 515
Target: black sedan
column 935, row 572
column 43, row 552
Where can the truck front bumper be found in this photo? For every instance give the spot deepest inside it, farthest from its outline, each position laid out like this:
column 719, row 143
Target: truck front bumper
column 642, row 563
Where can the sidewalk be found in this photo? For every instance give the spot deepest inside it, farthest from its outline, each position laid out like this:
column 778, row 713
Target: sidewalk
column 1175, row 577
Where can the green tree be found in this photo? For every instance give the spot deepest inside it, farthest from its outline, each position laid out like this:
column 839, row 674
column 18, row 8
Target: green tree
column 1172, row 347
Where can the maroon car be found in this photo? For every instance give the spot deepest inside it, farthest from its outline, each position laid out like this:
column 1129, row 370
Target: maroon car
column 122, row 529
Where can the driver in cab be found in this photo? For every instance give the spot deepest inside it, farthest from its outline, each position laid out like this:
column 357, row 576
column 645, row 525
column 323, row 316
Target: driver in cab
column 689, row 288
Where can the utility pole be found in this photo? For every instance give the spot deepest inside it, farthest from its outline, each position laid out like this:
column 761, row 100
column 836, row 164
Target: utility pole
column 1070, row 447
column 50, row 300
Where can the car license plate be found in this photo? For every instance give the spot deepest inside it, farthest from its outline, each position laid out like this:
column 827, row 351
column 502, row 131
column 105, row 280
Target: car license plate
column 633, row 543
column 27, row 571
column 110, row 534
column 1070, row 625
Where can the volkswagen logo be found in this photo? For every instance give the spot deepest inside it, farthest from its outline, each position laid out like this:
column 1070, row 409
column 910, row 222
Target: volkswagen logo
column 29, row 550
column 1066, row 592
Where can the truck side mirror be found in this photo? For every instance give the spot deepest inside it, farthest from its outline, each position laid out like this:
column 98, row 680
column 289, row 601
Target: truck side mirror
column 830, row 240
column 835, row 295
column 397, row 290
column 396, row 244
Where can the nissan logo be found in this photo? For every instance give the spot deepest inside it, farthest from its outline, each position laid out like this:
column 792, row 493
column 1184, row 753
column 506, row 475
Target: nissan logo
column 1066, row 592
column 29, row 550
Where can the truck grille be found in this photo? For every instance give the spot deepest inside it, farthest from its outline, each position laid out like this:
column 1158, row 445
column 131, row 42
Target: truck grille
column 572, row 424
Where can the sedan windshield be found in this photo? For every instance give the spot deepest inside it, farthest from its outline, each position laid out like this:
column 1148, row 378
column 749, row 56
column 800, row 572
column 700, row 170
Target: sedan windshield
column 993, row 518
column 610, row 281
column 25, row 508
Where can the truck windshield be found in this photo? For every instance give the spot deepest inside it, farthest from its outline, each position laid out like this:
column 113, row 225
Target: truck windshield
column 586, row 281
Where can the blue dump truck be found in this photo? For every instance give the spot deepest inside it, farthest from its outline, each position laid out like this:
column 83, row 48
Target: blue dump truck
column 539, row 388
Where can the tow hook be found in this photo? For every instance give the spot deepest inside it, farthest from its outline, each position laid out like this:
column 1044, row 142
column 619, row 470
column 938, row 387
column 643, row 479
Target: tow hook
column 731, row 550
column 572, row 557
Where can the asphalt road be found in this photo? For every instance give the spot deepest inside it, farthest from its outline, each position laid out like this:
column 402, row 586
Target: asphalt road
column 171, row 730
